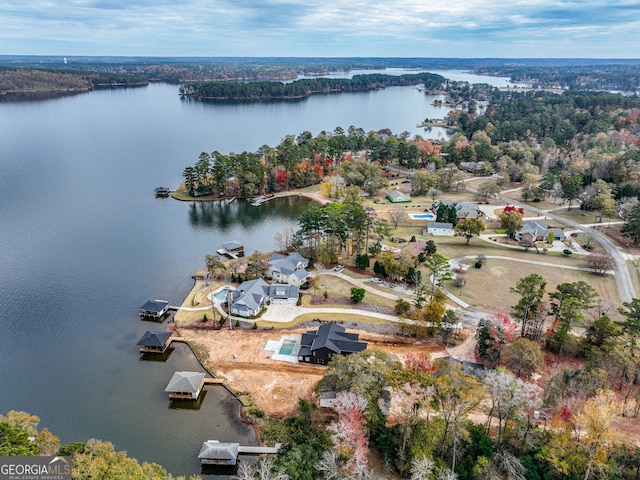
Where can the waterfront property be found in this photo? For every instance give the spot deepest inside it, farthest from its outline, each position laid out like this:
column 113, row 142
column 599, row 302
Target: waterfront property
column 185, row 385
column 249, row 298
column 214, row 452
column 162, row 192
column 252, row 296
column 155, row 342
column 320, row 346
column 154, row 309
column 232, row 249
column 290, row 269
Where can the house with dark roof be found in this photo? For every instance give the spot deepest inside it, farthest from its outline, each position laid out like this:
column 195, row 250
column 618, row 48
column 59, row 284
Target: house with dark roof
column 320, row 346
column 185, row 385
column 154, row 342
column 154, row 309
column 290, row 269
column 536, row 231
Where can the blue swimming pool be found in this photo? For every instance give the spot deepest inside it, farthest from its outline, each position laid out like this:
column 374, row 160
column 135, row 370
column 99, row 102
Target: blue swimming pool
column 422, row 216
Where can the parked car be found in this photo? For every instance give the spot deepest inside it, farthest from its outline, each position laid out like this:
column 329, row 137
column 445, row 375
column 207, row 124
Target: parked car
column 376, row 280
column 338, row 268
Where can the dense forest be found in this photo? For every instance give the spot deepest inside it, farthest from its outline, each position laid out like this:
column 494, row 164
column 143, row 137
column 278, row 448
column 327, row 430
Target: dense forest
column 566, row 73
column 621, row 76
column 307, row 87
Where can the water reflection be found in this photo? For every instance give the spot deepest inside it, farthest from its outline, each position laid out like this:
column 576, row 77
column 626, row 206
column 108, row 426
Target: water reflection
column 224, row 217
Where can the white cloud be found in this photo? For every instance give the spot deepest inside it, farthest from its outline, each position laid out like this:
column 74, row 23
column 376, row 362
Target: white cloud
column 335, row 27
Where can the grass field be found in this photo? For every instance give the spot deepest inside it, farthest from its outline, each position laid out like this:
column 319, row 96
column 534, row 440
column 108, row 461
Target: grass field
column 487, row 288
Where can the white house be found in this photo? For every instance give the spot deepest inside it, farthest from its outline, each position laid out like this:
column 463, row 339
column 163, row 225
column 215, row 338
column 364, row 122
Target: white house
column 440, row 229
column 289, row 269
column 396, row 196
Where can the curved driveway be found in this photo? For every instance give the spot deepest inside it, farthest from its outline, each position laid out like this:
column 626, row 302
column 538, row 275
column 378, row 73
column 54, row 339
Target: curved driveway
column 623, row 278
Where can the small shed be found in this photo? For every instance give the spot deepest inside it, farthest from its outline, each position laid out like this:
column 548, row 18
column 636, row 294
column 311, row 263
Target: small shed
column 185, row 385
column 154, row 342
column 154, row 309
column 215, row 453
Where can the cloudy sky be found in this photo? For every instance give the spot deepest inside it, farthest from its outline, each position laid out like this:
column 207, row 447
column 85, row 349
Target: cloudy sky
column 344, row 28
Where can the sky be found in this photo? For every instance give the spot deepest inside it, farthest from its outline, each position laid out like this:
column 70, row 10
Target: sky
column 329, row 28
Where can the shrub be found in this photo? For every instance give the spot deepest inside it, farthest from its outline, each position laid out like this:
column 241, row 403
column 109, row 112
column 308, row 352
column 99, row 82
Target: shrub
column 204, row 318
column 566, row 251
column 478, row 264
column 255, row 326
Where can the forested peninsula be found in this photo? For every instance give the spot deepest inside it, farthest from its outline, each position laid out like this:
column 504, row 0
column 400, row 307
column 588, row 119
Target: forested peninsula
column 27, row 81
column 306, row 87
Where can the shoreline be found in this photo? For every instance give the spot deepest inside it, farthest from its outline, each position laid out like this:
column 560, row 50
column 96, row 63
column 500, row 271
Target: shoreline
column 182, row 196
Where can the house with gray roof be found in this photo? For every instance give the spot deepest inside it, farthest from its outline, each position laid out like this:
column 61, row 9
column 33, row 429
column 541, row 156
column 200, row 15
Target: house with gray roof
column 280, row 293
column 290, row 269
column 396, row 196
column 320, row 346
column 214, row 452
column 536, row 231
column 464, row 210
column 440, row 229
column 185, row 385
column 249, row 298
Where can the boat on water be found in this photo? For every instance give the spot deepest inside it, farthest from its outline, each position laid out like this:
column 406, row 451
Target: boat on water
column 162, row 192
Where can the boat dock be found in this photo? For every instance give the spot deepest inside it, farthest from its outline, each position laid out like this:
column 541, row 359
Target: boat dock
column 227, row 253
column 257, row 201
column 233, row 249
column 214, row 452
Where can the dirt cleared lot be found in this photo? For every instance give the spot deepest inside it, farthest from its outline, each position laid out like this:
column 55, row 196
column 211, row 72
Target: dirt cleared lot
column 238, row 356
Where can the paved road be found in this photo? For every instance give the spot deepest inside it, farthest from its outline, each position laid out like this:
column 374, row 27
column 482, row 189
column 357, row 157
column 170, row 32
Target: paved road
column 623, row 277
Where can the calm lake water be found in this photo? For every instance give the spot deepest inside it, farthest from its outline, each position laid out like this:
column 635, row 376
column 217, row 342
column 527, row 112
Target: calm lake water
column 84, row 243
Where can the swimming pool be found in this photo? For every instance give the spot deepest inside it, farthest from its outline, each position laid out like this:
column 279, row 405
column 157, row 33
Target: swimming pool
column 221, row 294
column 422, row 216
column 287, row 347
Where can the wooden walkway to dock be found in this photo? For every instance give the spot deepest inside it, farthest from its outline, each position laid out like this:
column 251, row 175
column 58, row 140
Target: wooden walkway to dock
column 212, row 381
column 257, row 201
column 250, row 449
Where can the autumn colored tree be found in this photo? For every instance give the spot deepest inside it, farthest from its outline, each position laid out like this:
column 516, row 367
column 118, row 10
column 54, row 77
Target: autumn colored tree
column 523, row 357
column 598, row 416
column 348, row 433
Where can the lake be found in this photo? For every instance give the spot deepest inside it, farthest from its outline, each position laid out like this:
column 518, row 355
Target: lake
column 84, row 243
